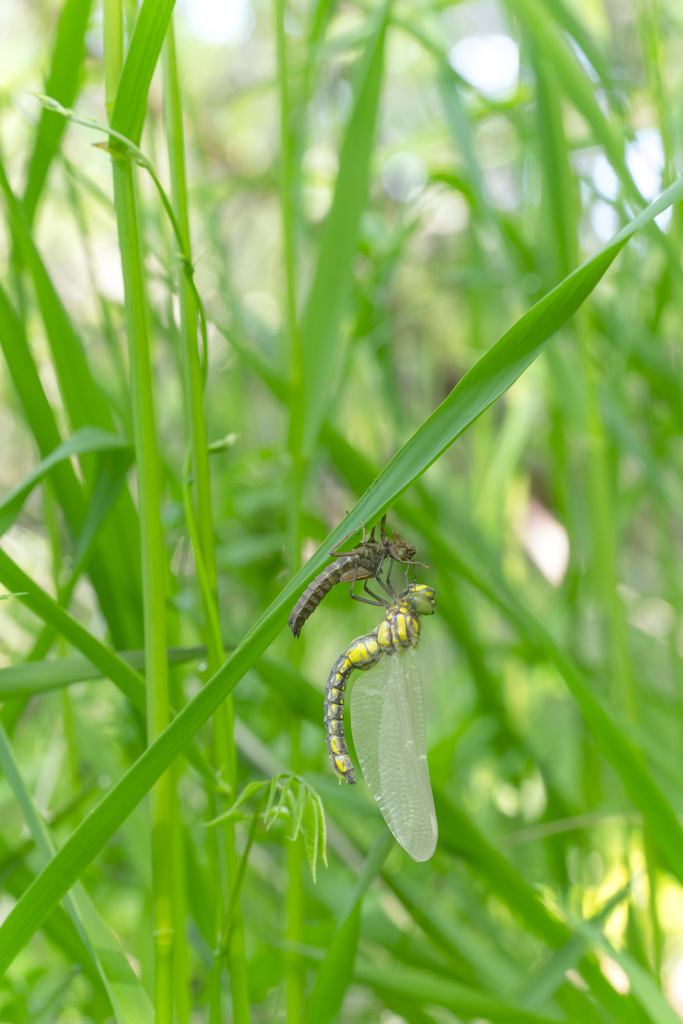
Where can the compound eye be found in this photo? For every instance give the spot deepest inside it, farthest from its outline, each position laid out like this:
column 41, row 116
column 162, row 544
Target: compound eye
column 423, row 601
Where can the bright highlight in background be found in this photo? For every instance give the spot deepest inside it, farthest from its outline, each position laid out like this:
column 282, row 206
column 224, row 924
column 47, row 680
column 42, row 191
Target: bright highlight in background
column 546, row 542
column 645, row 159
column 215, row 23
column 490, row 63
column 404, row 175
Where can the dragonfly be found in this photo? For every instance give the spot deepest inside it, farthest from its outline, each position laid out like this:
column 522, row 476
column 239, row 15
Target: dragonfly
column 387, row 718
column 361, row 563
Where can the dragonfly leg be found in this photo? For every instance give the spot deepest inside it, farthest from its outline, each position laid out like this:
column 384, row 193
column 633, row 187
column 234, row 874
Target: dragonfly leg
column 387, row 587
column 372, row 534
column 336, row 553
column 409, row 566
column 376, row 601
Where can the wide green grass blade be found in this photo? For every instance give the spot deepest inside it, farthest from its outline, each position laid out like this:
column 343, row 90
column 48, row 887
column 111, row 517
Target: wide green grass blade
column 85, row 405
column 88, row 440
column 110, row 664
column 572, row 26
column 320, row 333
column 84, row 400
column 43, row 424
column 130, row 105
column 644, row 986
column 484, row 383
column 37, row 409
column 128, row 997
column 429, row 989
column 34, row 677
column 578, row 87
column 542, row 984
column 63, row 83
column 58, row 928
column 614, row 742
column 496, row 371
column 335, row 973
column 491, row 965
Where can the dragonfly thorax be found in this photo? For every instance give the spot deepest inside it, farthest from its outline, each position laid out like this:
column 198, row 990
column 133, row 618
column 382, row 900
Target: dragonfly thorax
column 401, row 628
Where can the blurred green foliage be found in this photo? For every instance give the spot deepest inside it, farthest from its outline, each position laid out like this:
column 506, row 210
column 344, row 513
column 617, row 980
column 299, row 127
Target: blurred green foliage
column 376, row 195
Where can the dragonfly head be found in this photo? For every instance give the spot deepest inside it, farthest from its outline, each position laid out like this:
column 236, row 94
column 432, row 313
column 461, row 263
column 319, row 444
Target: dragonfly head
column 400, row 549
column 396, row 546
column 420, row 598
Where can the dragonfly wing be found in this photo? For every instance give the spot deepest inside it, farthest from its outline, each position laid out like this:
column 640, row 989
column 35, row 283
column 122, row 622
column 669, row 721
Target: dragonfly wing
column 361, row 574
column 388, row 723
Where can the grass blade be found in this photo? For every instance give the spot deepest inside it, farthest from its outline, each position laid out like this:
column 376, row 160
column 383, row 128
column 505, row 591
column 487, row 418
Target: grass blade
column 63, row 83
column 130, row 105
column 130, row 1001
column 335, row 973
column 88, row 440
column 34, row 677
column 320, row 322
column 110, row 664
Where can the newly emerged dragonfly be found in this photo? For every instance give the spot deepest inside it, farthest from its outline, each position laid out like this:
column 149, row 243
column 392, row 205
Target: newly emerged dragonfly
column 387, row 718
column 361, row 563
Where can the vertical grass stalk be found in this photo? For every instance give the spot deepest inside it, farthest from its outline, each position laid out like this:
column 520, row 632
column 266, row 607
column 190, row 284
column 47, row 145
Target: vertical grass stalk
column 199, row 518
column 153, row 558
column 288, row 206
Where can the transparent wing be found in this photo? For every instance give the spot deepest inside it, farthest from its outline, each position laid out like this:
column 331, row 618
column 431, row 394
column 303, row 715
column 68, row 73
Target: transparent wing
column 387, row 719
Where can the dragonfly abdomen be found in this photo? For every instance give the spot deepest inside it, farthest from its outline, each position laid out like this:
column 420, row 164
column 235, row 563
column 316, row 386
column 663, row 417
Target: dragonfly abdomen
column 316, row 591
column 361, row 654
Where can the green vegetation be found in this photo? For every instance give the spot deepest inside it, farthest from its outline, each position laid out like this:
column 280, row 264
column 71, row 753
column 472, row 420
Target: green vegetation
column 259, row 273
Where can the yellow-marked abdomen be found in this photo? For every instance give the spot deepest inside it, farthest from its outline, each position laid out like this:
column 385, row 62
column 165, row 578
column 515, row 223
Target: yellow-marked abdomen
column 361, row 654
column 399, row 629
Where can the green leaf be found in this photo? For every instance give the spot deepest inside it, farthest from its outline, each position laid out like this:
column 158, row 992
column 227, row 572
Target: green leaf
column 130, row 105
column 118, row 547
column 460, row 836
column 320, row 332
column 460, row 941
column 63, row 83
column 578, row 87
column 83, row 398
column 249, row 791
column 613, row 738
column 424, row 987
column 130, row 1001
column 37, row 409
column 109, row 663
column 314, row 832
column 544, row 982
column 84, row 441
column 109, row 484
column 335, row 973
column 34, row 677
column 644, row 986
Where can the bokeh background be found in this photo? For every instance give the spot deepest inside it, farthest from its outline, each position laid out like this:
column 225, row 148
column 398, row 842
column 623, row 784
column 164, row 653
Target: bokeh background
column 511, row 142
